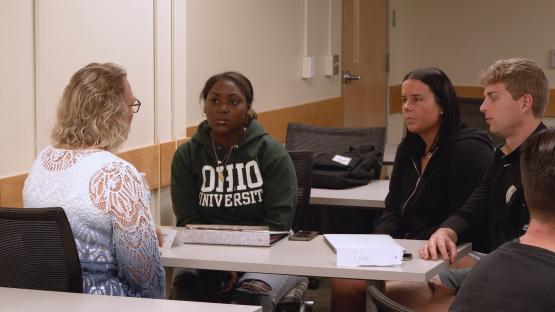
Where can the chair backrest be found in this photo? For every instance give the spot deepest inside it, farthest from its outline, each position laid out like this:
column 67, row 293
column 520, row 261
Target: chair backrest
column 328, row 140
column 382, row 303
column 302, row 161
column 37, row 250
column 325, row 139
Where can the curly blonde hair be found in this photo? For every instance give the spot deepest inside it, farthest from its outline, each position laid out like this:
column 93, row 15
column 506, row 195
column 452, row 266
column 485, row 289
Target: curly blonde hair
column 92, row 111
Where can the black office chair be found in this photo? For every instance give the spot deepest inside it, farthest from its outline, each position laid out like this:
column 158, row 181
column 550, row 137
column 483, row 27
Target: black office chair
column 382, row 303
column 37, row 250
column 302, row 161
column 326, row 140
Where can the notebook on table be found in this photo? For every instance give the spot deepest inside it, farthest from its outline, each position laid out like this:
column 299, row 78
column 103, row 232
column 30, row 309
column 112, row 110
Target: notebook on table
column 365, row 249
column 241, row 235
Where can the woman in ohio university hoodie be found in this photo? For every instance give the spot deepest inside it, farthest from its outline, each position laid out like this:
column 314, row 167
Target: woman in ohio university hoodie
column 232, row 172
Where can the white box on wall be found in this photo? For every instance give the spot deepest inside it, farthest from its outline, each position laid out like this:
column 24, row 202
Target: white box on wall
column 331, row 65
column 308, row 67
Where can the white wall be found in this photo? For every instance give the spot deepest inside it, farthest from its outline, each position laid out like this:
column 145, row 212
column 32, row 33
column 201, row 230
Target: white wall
column 17, row 94
column 46, row 41
column 169, row 48
column 101, row 31
column 395, row 126
column 464, row 37
column 265, row 41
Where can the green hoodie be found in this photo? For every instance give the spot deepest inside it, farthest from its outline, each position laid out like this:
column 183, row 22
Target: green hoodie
column 259, row 188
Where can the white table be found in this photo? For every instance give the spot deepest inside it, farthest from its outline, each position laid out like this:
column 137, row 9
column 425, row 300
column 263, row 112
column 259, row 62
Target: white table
column 371, row 195
column 313, row 258
column 25, row 300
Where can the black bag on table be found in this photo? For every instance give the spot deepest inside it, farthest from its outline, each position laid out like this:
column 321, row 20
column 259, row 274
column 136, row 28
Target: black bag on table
column 343, row 169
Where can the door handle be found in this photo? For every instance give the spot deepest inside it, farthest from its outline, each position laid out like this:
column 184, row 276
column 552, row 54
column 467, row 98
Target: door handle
column 347, row 77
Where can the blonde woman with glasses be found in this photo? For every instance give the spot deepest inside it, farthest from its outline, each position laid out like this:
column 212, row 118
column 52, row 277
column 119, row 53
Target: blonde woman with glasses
column 103, row 195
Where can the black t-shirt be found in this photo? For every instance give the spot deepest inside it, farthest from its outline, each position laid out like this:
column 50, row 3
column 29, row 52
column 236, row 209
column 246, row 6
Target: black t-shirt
column 496, row 212
column 515, row 277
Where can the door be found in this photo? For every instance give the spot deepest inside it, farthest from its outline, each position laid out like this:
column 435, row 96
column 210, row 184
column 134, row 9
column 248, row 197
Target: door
column 364, row 54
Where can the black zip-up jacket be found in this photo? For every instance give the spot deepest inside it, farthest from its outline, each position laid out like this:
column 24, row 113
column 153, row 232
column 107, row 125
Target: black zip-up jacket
column 496, row 212
column 418, row 202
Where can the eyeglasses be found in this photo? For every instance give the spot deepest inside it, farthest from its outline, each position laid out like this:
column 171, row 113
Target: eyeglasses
column 136, row 106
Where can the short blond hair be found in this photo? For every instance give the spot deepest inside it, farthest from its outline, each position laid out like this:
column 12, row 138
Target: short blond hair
column 92, row 110
column 520, row 76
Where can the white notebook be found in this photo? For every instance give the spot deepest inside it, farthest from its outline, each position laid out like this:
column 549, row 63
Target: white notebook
column 365, row 249
column 222, row 234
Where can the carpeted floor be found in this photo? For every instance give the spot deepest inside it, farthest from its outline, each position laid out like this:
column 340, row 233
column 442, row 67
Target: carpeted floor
column 320, row 296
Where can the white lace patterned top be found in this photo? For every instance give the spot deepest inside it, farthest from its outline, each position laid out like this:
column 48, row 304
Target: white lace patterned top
column 107, row 206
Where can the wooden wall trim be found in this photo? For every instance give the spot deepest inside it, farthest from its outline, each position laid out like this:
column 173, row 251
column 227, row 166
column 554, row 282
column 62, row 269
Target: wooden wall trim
column 167, row 150
column 395, row 99
column 462, row 91
column 550, row 109
column 476, row 92
column 11, row 189
column 166, row 154
column 328, row 112
column 146, row 159
column 155, row 160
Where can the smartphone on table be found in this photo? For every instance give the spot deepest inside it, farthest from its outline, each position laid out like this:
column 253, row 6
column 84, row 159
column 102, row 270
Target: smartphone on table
column 303, row 235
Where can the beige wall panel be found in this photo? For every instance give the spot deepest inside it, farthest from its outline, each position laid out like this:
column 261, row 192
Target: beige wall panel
column 318, row 21
column 465, row 37
column 177, row 108
column 166, row 214
column 324, row 31
column 163, row 79
column 263, row 40
column 396, row 47
column 395, row 128
column 74, row 33
column 179, row 68
column 336, row 24
column 16, row 86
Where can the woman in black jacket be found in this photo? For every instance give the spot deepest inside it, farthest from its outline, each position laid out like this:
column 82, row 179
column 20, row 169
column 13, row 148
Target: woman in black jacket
column 437, row 166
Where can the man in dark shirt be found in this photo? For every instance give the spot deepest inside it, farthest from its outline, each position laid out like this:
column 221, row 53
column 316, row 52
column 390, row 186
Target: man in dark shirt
column 520, row 276
column 516, row 93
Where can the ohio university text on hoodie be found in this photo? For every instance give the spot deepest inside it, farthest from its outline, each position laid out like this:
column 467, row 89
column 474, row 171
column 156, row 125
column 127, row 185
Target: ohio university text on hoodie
column 255, row 183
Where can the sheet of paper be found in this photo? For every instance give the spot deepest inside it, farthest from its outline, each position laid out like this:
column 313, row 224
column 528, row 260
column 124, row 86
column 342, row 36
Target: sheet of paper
column 170, row 237
column 365, row 249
